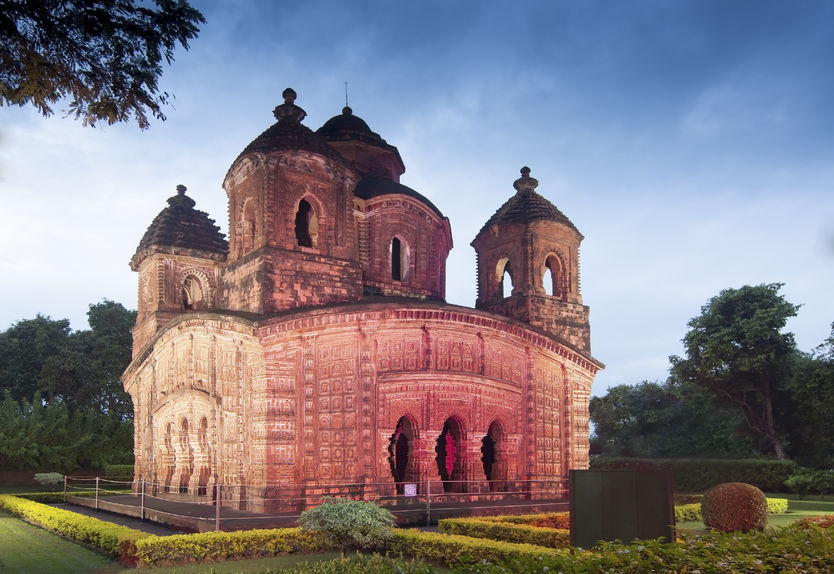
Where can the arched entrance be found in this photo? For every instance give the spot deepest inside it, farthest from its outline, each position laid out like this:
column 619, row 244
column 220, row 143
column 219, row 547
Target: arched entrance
column 491, row 456
column 450, row 451
column 401, row 453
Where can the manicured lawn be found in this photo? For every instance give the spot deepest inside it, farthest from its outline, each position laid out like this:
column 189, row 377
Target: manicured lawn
column 26, row 549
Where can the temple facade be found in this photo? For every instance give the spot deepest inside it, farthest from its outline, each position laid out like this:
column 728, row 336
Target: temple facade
column 314, row 348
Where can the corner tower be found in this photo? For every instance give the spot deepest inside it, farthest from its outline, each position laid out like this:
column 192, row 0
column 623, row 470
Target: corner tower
column 528, row 266
column 179, row 260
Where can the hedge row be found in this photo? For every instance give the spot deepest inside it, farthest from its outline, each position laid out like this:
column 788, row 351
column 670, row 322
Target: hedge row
column 545, row 519
column 506, row 531
column 692, row 512
column 113, row 539
column 806, row 548
column 698, row 475
column 215, row 546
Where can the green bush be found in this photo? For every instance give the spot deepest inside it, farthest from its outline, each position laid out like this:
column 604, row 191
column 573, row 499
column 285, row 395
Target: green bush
column 452, row 549
column 50, row 480
column 361, row 564
column 350, row 523
column 118, row 471
column 215, row 546
column 113, row 539
column 545, row 520
column 506, row 531
column 734, row 506
column 777, row 505
column 802, row 482
column 698, row 475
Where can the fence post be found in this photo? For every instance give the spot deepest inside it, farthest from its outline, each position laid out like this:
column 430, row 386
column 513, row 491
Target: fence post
column 65, row 488
column 142, row 512
column 217, row 507
column 96, row 493
column 428, row 502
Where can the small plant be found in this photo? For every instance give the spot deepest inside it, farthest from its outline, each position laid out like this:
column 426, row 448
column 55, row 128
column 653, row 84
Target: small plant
column 801, row 482
column 50, row 480
column 733, row 506
column 350, row 524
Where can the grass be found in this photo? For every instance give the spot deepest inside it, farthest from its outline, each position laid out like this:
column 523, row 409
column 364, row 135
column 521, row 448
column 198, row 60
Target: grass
column 25, row 549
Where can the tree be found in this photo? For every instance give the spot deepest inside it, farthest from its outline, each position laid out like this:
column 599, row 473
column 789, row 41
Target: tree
column 104, row 55
column 665, row 420
column 736, row 350
column 811, row 427
column 81, row 369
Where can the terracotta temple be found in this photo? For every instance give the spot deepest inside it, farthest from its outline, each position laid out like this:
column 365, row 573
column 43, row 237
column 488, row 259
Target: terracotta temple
column 315, row 348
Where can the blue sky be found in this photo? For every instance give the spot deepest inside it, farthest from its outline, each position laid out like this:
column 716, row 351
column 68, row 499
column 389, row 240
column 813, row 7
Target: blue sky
column 691, row 142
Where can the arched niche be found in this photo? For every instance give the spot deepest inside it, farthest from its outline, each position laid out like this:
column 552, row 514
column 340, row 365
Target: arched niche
column 492, row 456
column 450, row 455
column 401, row 452
column 554, row 278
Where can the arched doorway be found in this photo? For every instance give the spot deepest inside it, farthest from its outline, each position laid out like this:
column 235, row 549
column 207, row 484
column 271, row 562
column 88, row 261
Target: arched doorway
column 401, row 453
column 450, row 451
column 491, row 457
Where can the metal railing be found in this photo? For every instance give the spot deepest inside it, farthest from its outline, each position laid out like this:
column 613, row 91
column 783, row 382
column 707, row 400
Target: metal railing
column 227, row 504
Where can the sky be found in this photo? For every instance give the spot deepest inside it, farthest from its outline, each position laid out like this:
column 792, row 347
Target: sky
column 691, row 142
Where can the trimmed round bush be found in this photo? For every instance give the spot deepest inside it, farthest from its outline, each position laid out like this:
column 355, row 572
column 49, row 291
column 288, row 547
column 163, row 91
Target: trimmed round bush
column 733, row 506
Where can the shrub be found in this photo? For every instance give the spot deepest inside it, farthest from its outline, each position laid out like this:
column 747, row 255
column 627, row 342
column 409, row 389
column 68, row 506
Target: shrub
column 215, row 546
column 559, row 520
column 506, row 531
column 733, row 506
column 350, row 523
column 692, row 512
column 801, row 482
column 362, row 564
column 50, row 480
column 118, row 471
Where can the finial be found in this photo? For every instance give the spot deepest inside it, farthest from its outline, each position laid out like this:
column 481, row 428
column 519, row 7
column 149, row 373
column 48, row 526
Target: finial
column 288, row 111
column 347, row 111
column 525, row 182
column 346, row 100
column 181, row 189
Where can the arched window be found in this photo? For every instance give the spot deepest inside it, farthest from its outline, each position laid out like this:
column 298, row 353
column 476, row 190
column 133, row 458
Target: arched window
column 554, row 279
column 306, row 225
column 505, row 278
column 192, row 293
column 399, row 260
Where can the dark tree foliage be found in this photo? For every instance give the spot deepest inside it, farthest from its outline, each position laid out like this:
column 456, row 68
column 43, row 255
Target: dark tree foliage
column 811, row 425
column 106, row 56
column 80, row 369
column 49, row 437
column 736, row 350
column 665, row 420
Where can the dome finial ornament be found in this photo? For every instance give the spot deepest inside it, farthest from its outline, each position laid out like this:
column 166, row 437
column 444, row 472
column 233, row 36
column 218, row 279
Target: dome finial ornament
column 525, row 182
column 288, row 111
column 181, row 189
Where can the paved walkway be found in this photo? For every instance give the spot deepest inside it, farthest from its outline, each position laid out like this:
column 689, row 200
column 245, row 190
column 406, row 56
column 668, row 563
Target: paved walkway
column 173, row 517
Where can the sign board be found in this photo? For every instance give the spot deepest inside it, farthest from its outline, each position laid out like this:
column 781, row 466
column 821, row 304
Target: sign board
column 410, row 489
column 620, row 505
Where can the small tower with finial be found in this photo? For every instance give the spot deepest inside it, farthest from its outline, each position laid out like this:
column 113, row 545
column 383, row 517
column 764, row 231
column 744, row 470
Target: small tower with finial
column 528, row 265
